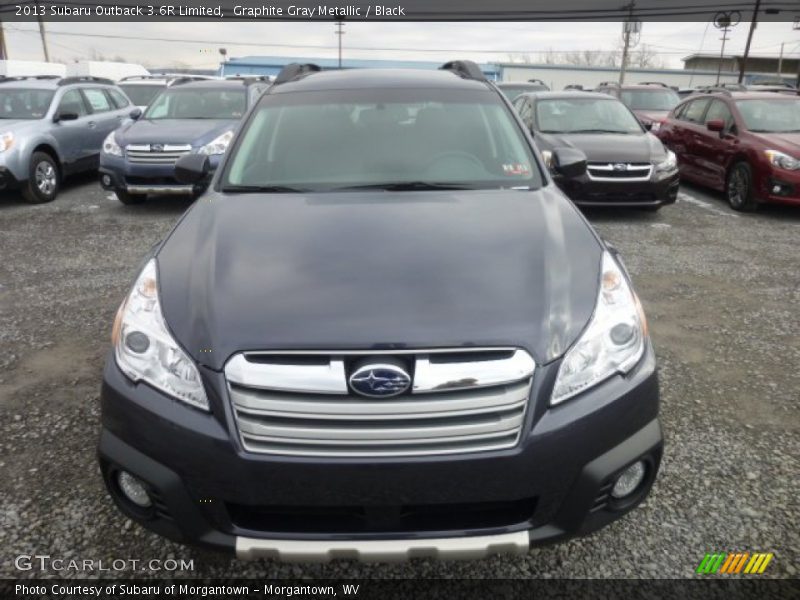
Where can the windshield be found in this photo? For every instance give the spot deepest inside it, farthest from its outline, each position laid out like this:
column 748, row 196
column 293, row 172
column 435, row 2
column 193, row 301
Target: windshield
column 650, row 99
column 512, row 91
column 585, row 115
column 397, row 139
column 194, row 103
column 24, row 104
column 778, row 115
column 141, row 95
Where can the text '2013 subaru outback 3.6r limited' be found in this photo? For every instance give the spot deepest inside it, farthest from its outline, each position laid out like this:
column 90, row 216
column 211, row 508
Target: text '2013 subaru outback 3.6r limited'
column 382, row 333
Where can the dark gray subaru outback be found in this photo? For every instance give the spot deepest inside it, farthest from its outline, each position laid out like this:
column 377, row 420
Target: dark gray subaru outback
column 382, row 333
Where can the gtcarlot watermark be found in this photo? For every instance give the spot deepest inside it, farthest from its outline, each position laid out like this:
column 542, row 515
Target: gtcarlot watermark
column 45, row 562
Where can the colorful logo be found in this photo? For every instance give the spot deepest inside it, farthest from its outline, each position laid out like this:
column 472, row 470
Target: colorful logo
column 735, row 563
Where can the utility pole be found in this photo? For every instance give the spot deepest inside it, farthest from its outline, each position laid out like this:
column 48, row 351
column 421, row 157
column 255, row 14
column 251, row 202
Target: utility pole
column 724, row 21
column 780, row 62
column 3, row 53
column 629, row 27
column 42, row 32
column 340, row 33
column 753, row 22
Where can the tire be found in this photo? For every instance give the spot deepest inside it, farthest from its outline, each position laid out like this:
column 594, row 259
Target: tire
column 652, row 209
column 739, row 188
column 44, row 180
column 127, row 198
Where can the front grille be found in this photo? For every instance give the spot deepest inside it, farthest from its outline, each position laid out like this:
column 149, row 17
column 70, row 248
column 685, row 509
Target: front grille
column 366, row 519
column 299, row 404
column 156, row 154
column 619, row 171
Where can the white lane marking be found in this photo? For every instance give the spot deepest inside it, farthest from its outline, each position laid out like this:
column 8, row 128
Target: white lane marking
column 684, row 197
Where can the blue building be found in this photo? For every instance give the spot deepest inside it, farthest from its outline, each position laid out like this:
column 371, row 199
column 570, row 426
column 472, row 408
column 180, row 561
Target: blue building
column 271, row 65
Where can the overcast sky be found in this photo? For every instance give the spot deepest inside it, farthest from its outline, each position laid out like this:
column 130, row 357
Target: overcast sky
column 198, row 43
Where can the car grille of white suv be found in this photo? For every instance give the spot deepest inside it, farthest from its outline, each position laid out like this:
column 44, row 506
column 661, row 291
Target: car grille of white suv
column 300, row 404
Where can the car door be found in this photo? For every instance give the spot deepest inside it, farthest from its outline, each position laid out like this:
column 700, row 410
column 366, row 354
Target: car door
column 70, row 134
column 105, row 118
column 689, row 135
column 716, row 148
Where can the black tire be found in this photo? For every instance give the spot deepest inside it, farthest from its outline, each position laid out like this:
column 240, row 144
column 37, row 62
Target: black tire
column 739, row 188
column 652, row 209
column 127, row 198
column 44, row 180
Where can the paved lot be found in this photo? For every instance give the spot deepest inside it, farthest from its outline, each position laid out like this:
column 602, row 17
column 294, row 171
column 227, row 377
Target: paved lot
column 721, row 291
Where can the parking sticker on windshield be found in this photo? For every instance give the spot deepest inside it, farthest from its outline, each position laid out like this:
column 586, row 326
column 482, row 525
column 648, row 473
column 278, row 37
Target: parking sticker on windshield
column 516, row 169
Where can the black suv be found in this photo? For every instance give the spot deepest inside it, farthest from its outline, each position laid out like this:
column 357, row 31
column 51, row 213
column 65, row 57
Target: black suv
column 382, row 333
column 512, row 89
column 627, row 166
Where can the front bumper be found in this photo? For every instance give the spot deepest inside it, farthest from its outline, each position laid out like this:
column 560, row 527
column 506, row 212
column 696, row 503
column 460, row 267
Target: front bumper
column 555, row 484
column 117, row 174
column 779, row 187
column 584, row 191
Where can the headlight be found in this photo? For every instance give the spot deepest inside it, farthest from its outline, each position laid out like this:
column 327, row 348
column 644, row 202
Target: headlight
column 781, row 160
column 145, row 349
column 668, row 165
column 110, row 145
column 547, row 157
column 6, row 141
column 217, row 146
column 613, row 342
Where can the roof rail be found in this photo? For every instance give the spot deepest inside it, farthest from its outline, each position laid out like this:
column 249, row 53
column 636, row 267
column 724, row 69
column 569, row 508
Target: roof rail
column 151, row 76
column 658, row 83
column 713, row 90
column 466, row 69
column 85, row 79
column 536, row 81
column 5, row 79
column 248, row 79
column 294, row 71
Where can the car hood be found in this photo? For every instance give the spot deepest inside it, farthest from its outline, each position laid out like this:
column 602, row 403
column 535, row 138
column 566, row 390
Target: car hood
column 379, row 270
column 19, row 124
column 651, row 115
column 785, row 142
column 606, row 147
column 172, row 131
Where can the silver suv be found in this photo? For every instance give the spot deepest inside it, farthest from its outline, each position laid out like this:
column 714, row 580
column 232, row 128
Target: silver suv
column 51, row 127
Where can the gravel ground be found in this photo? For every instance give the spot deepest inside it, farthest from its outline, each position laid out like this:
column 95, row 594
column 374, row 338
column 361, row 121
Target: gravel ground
column 721, row 291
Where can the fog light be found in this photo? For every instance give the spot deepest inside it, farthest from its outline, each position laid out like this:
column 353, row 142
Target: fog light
column 106, row 180
column 133, row 489
column 630, row 479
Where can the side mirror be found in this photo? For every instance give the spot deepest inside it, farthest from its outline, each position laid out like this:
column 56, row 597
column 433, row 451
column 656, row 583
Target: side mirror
column 65, row 116
column 648, row 125
column 135, row 113
column 192, row 168
column 569, row 162
column 717, row 125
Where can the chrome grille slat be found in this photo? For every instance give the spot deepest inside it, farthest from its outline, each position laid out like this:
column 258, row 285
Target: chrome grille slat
column 607, row 172
column 299, row 404
column 144, row 154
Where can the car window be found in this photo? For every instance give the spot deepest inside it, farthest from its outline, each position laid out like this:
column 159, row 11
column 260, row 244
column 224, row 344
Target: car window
column 24, row 103
column 524, row 110
column 194, row 103
column 141, row 95
column 585, row 115
column 659, row 99
column 72, row 102
column 719, row 110
column 694, row 112
column 119, row 99
column 351, row 138
column 97, row 99
column 772, row 115
column 512, row 91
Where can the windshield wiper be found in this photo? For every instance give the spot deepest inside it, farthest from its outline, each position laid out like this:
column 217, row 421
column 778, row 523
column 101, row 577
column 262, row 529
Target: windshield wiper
column 598, row 131
column 407, row 186
column 267, row 189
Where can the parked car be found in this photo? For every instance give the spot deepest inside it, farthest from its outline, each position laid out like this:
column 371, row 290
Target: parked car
column 512, row 89
column 53, row 127
column 107, row 69
column 650, row 102
column 746, row 144
column 385, row 334
column 186, row 117
column 627, row 165
column 142, row 89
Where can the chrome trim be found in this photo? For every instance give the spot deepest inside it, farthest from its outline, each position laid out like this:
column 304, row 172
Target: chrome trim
column 317, row 379
column 438, row 377
column 165, row 147
column 396, row 550
column 368, row 352
column 167, row 155
column 176, row 190
column 291, row 406
column 642, row 171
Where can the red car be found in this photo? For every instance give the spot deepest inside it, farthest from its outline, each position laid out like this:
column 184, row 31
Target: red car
column 746, row 144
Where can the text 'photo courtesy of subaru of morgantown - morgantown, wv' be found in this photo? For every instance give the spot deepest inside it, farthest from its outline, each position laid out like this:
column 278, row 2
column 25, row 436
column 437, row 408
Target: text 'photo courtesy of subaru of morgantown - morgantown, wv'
column 259, row 367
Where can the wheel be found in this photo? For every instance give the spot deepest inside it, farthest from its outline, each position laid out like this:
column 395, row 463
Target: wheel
column 739, row 187
column 127, row 198
column 43, row 179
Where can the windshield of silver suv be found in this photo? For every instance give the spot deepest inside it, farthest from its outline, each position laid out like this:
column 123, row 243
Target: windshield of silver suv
column 650, row 99
column 779, row 115
column 24, row 103
column 400, row 140
column 141, row 95
column 585, row 115
column 194, row 103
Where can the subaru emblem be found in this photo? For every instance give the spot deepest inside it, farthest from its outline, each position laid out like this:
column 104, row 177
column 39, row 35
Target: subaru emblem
column 620, row 167
column 380, row 380
column 157, row 148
